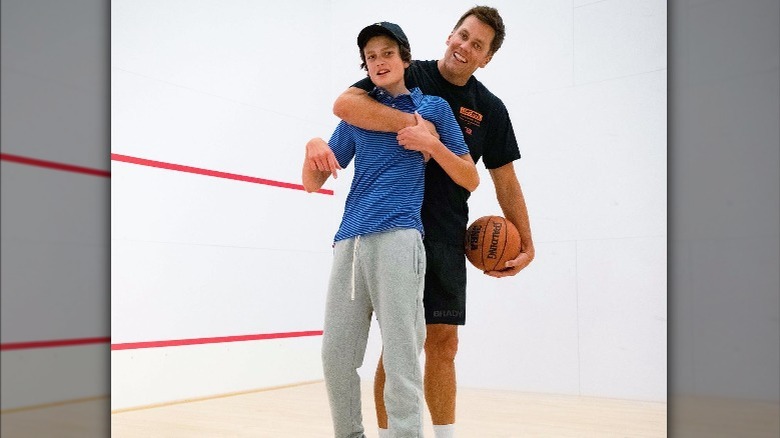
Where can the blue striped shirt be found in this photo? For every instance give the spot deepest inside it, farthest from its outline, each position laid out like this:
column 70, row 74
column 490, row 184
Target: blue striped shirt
column 387, row 187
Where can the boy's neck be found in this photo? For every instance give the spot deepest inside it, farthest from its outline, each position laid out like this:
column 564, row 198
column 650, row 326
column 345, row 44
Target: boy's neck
column 397, row 89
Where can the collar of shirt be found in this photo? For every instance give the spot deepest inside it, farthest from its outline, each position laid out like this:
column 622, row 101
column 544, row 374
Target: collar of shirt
column 382, row 96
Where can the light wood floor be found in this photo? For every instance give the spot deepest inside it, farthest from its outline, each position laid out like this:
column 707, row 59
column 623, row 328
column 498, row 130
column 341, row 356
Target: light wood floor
column 86, row 418
column 302, row 411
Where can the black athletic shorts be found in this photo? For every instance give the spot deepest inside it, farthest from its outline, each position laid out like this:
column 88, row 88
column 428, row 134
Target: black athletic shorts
column 445, row 284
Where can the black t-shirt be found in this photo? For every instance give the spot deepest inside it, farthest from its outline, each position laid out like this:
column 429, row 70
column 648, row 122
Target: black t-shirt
column 488, row 132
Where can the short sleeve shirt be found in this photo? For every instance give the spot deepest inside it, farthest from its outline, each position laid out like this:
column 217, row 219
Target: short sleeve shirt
column 388, row 185
column 488, row 132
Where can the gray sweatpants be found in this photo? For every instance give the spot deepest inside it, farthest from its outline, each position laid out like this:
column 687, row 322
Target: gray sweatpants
column 382, row 273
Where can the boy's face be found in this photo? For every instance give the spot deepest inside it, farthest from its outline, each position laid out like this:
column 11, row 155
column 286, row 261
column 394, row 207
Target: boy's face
column 468, row 47
column 384, row 64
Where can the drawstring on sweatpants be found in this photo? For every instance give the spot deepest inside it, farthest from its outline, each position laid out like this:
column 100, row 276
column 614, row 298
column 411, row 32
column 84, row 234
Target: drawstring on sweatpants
column 354, row 262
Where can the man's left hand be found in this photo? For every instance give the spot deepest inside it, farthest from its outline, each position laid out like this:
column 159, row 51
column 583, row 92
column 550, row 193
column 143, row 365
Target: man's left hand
column 513, row 266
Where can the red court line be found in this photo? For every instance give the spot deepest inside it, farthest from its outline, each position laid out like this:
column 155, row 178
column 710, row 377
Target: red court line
column 217, row 340
column 57, row 343
column 54, row 165
column 207, row 172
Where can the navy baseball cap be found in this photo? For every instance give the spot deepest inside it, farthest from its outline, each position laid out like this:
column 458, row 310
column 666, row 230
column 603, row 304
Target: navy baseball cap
column 382, row 28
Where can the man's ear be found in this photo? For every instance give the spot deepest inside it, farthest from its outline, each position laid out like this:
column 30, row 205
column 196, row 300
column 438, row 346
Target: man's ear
column 487, row 60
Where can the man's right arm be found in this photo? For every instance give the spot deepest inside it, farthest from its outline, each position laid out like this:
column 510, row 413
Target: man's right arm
column 357, row 108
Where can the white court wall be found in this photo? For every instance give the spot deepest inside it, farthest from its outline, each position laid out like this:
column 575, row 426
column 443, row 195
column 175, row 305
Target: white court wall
column 239, row 87
column 54, row 249
column 231, row 87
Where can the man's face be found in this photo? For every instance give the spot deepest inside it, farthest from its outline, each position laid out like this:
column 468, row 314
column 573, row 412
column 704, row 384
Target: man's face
column 468, row 47
column 384, row 64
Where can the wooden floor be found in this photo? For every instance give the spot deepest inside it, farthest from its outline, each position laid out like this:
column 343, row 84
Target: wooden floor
column 713, row 417
column 302, row 411
column 86, row 418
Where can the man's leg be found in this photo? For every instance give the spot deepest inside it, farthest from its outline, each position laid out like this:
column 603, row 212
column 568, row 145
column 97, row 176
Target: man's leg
column 445, row 310
column 379, row 395
column 441, row 346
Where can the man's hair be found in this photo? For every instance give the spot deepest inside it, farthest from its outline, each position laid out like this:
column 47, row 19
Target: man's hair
column 406, row 54
column 492, row 18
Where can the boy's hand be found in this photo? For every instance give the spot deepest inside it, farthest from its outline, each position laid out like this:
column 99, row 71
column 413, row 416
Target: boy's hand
column 320, row 157
column 428, row 124
column 417, row 137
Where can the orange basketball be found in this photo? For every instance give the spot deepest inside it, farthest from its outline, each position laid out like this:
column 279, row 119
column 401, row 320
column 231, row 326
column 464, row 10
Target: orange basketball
column 491, row 241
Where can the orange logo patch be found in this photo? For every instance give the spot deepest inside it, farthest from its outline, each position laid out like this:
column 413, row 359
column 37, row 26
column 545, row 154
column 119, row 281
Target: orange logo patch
column 470, row 116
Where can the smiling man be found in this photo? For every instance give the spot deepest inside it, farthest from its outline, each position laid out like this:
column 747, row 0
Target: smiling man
column 487, row 129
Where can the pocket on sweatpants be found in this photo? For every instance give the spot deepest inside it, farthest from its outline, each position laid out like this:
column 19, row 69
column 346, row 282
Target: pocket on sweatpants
column 419, row 258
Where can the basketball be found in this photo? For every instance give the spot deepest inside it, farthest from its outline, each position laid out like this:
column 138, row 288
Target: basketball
column 491, row 241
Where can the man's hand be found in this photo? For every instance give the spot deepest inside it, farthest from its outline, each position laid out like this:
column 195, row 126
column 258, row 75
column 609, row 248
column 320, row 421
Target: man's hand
column 513, row 266
column 320, row 157
column 510, row 198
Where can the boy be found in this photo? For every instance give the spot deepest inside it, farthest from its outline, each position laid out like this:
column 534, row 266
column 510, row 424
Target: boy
column 379, row 258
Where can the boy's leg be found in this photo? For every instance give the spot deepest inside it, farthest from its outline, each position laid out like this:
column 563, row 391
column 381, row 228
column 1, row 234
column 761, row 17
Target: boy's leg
column 344, row 339
column 441, row 346
column 399, row 271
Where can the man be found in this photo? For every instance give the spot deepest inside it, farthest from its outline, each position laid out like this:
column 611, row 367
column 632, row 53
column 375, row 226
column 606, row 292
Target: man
column 379, row 258
column 488, row 132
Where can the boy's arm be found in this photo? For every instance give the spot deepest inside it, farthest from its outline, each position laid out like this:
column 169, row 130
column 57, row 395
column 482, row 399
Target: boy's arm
column 357, row 108
column 460, row 168
column 319, row 164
